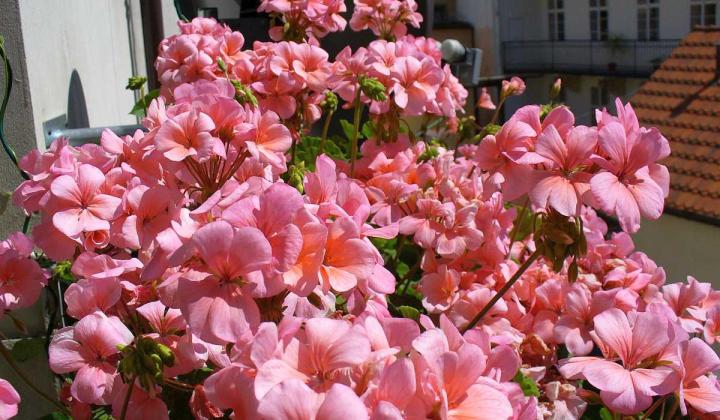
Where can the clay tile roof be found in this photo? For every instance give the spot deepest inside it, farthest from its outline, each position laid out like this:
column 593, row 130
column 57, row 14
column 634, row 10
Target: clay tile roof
column 682, row 99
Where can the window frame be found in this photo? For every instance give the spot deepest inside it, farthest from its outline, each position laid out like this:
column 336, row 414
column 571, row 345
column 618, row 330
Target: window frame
column 556, row 20
column 599, row 20
column 648, row 20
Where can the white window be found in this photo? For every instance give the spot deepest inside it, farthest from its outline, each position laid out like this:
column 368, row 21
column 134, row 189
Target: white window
column 598, row 20
column 648, row 20
column 556, row 20
column 703, row 12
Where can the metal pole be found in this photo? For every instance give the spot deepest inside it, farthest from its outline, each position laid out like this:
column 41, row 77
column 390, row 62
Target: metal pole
column 78, row 136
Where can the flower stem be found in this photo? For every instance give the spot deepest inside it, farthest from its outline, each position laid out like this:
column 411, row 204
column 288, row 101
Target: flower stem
column 325, row 128
column 523, row 268
column 654, row 407
column 356, row 131
column 126, row 402
column 11, row 361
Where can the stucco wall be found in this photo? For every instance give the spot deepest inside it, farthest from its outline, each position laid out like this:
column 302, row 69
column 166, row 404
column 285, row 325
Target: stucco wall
column 684, row 247
column 527, row 19
column 89, row 36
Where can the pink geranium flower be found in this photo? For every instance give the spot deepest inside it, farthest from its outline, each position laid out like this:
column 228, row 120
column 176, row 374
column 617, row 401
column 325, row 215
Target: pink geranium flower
column 698, row 359
column 88, row 348
column 188, row 134
column 631, row 184
column 293, row 400
column 81, row 206
column 637, row 339
column 417, row 83
column 348, row 258
column 217, row 301
column 9, row 400
column 564, row 182
column 485, row 100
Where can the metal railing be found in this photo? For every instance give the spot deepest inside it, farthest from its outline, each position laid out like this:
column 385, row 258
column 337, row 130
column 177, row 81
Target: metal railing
column 612, row 57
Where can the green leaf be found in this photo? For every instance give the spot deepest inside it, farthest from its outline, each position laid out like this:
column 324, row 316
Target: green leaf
column 348, row 129
column 27, row 349
column 527, row 384
column 140, row 108
column 401, row 269
column 136, row 82
column 368, row 130
column 409, row 312
column 605, row 414
column 309, row 147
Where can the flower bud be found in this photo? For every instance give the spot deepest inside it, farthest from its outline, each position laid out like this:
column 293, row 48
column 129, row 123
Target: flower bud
column 330, row 103
column 243, row 94
column 373, row 88
column 221, row 65
column 136, row 82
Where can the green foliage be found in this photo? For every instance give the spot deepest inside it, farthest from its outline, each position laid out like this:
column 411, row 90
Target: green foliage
column 527, row 384
column 243, row 94
column 409, row 312
column 309, row 147
column 523, row 224
column 140, row 108
column 28, row 349
column 368, row 130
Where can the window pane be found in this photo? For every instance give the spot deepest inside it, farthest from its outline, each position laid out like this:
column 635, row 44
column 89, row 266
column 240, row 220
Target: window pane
column 561, row 26
column 641, row 1
column 695, row 15
column 603, row 3
column 710, row 13
column 642, row 24
column 654, row 23
column 551, row 4
column 559, row 4
column 604, row 25
column 593, row 3
column 551, row 25
column 594, row 25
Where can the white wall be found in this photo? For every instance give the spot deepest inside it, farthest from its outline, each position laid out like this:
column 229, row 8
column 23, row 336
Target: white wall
column 90, row 36
column 684, row 247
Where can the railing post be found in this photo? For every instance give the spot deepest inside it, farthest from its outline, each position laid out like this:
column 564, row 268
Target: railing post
column 635, row 57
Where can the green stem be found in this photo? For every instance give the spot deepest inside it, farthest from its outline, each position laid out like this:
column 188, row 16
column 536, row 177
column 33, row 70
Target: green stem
column 654, row 407
column 126, row 402
column 11, row 362
column 356, row 131
column 523, row 268
column 513, row 235
column 7, row 73
column 496, row 115
column 325, row 128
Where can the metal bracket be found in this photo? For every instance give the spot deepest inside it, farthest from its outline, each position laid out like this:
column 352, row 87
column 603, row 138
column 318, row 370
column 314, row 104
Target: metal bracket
column 57, row 127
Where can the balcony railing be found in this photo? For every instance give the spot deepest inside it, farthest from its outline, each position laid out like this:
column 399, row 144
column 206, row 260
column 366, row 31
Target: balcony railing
column 621, row 58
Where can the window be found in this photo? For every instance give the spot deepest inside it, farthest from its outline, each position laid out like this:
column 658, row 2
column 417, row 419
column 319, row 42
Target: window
column 598, row 20
column 599, row 99
column 648, row 20
column 703, row 12
column 556, row 20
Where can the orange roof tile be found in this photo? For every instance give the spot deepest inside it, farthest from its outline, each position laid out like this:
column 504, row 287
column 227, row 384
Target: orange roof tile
column 682, row 99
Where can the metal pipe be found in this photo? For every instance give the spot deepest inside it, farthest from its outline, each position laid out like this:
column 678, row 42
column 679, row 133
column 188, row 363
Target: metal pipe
column 79, row 136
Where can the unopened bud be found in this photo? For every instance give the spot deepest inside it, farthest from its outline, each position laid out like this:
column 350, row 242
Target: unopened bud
column 221, row 65
column 243, row 94
column 136, row 82
column 555, row 89
column 373, row 88
column 330, row 103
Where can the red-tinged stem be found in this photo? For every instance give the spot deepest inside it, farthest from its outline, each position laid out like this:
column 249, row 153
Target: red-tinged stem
column 523, row 268
column 126, row 402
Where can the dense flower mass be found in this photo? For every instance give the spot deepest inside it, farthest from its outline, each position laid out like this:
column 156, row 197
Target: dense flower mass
column 224, row 261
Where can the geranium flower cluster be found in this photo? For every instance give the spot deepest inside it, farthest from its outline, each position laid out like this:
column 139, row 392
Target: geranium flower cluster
column 299, row 20
column 388, row 19
column 199, row 277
